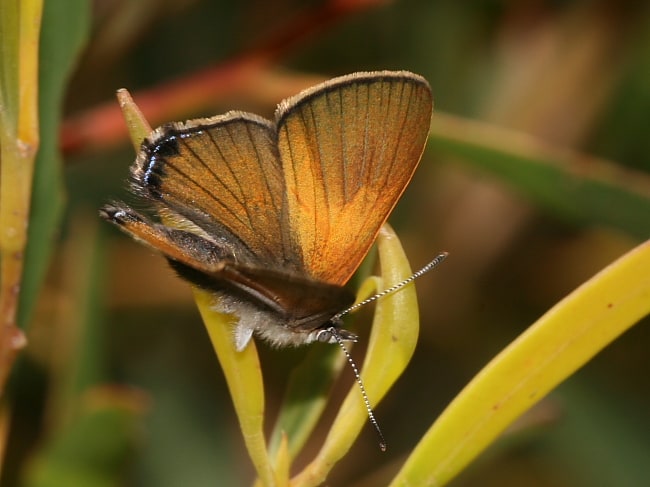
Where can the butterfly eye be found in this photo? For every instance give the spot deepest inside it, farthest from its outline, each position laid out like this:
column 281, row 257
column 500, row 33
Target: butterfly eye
column 324, row 336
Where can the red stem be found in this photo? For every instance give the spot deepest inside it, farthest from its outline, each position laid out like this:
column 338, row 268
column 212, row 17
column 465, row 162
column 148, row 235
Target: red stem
column 103, row 126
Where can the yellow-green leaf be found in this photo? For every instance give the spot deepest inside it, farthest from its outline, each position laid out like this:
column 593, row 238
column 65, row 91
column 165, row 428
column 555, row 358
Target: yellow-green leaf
column 392, row 342
column 136, row 124
column 63, row 34
column 552, row 349
column 244, row 378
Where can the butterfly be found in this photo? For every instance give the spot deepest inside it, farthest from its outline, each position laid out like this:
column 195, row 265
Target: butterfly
column 275, row 217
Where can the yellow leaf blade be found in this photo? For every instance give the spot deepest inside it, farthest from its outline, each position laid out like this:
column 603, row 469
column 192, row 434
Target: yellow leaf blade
column 244, row 378
column 391, row 345
column 548, row 352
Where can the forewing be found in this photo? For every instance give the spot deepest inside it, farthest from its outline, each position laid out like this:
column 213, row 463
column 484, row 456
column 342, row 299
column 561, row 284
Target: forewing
column 348, row 149
column 222, row 174
column 297, row 301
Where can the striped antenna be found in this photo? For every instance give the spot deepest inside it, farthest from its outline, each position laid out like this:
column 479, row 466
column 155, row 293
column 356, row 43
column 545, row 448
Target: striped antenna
column 371, row 415
column 334, row 333
column 431, row 265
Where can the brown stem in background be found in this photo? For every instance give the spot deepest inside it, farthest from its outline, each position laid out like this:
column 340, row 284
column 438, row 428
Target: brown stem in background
column 103, row 126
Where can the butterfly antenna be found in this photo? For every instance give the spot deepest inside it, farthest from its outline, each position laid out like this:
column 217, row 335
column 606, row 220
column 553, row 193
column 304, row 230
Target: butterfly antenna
column 371, row 416
column 431, row 265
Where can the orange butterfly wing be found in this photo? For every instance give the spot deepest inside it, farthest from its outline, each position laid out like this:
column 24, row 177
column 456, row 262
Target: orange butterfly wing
column 305, row 196
column 348, row 149
column 223, row 177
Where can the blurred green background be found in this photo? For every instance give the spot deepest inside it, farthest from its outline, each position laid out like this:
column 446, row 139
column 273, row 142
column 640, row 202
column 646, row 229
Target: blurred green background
column 111, row 317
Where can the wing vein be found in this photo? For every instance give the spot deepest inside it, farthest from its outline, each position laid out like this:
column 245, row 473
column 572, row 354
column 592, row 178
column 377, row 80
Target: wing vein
column 209, row 193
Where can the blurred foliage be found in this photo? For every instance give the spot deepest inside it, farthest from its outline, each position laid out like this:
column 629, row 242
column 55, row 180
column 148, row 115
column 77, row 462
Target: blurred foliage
column 570, row 75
